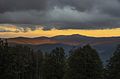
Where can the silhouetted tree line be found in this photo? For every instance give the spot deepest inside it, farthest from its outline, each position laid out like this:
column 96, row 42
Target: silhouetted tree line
column 21, row 62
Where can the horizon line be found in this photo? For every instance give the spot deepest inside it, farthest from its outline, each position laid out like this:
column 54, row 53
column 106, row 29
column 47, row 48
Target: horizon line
column 60, row 35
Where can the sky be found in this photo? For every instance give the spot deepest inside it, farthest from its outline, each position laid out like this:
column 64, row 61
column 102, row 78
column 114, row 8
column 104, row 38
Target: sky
column 98, row 18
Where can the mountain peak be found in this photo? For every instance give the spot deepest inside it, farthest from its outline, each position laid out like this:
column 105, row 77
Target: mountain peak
column 77, row 35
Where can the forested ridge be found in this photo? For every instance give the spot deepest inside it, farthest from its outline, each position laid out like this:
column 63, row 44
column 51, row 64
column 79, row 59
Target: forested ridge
column 22, row 62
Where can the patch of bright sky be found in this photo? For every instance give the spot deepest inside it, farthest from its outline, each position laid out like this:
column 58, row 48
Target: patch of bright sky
column 13, row 31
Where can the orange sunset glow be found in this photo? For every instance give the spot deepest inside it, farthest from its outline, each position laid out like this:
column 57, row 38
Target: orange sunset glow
column 14, row 32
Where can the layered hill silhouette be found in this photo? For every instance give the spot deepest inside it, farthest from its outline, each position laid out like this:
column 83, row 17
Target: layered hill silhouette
column 104, row 45
column 65, row 39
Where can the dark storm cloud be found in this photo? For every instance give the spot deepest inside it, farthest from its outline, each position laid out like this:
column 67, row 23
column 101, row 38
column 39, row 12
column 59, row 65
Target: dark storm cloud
column 61, row 14
column 17, row 5
column 2, row 30
column 81, row 5
column 110, row 7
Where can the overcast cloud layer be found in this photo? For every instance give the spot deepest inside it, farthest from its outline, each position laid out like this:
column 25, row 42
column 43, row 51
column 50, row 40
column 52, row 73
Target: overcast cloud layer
column 61, row 14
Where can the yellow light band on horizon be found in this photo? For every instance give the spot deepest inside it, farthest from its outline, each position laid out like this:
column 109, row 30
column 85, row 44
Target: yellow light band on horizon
column 55, row 32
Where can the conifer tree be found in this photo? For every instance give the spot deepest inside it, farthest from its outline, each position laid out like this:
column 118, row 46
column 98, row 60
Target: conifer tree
column 113, row 67
column 39, row 64
column 54, row 64
column 84, row 63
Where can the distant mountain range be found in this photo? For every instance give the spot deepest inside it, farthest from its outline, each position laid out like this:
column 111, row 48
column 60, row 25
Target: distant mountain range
column 104, row 45
column 62, row 39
